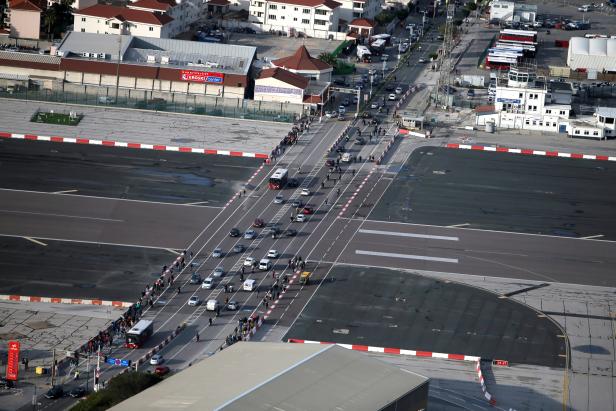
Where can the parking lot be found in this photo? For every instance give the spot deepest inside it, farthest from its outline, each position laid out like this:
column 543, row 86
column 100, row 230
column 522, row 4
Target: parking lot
column 566, row 197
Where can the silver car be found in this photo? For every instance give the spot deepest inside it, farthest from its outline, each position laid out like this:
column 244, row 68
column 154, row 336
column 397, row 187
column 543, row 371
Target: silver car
column 217, row 253
column 250, row 234
column 279, row 199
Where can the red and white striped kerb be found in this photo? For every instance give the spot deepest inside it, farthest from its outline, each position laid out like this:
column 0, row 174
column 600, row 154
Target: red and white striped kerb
column 531, row 152
column 53, row 300
column 110, row 143
column 396, row 351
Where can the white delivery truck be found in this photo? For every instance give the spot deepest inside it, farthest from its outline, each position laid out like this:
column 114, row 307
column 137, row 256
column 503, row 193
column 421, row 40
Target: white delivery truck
column 364, row 54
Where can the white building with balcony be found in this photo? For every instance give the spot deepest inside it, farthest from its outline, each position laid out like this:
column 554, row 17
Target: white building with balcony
column 104, row 19
column 357, row 9
column 313, row 18
column 182, row 12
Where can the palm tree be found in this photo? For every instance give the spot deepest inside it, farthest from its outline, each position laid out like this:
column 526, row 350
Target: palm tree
column 328, row 58
column 50, row 17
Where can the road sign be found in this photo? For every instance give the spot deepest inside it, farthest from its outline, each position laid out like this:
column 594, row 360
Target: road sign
column 12, row 367
column 501, row 363
column 118, row 362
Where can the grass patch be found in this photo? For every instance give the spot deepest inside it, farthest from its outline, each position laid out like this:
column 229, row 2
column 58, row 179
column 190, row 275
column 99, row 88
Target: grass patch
column 57, row 118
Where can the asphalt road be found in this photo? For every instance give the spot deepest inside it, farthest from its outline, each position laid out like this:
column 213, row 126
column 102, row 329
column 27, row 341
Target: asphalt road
column 387, row 308
column 500, row 191
column 115, row 172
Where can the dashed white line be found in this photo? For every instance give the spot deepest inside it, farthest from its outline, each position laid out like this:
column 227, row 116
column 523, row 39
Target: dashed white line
column 407, row 256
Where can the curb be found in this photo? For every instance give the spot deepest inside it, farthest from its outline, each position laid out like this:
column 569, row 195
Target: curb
column 110, row 143
column 488, row 396
column 396, row 351
column 54, row 300
column 527, row 151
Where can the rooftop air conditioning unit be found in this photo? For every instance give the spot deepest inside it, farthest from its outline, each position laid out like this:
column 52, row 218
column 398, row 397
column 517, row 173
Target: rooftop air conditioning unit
column 151, row 59
column 164, row 60
column 86, row 54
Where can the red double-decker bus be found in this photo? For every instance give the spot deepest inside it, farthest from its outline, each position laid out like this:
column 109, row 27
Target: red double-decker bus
column 279, row 179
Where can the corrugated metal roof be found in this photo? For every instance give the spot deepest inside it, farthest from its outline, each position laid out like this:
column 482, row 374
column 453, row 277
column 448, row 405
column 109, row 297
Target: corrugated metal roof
column 593, row 54
column 30, row 57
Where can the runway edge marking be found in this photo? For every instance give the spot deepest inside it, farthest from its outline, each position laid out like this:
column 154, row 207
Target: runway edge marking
column 111, row 143
column 531, row 152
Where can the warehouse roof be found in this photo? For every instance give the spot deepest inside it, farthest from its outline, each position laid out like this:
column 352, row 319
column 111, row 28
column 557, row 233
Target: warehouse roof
column 257, row 376
column 606, row 112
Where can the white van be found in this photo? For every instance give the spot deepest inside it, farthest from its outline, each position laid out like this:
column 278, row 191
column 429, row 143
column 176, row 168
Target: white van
column 346, row 157
column 265, row 264
column 211, row 305
column 249, row 285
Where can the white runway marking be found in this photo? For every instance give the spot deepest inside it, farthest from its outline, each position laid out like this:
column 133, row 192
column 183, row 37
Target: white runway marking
column 590, row 237
column 172, row 251
column 68, row 240
column 399, row 234
column 197, row 203
column 408, row 256
column 36, row 241
column 459, row 225
column 64, row 192
column 62, row 215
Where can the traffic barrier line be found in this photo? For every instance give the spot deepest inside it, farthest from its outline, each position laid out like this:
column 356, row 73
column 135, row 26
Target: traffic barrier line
column 545, row 153
column 484, row 388
column 111, row 143
column 395, row 351
column 282, row 293
column 57, row 300
column 348, row 203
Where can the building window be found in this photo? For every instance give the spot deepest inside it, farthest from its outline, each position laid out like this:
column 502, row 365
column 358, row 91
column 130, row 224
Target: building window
column 553, row 124
column 271, row 17
column 281, row 17
column 586, row 132
column 306, row 11
column 358, row 5
column 562, row 112
column 305, row 21
column 534, row 122
column 83, row 30
column 294, row 18
column 321, row 12
column 273, row 7
column 296, row 9
column 595, row 133
column 320, row 22
column 260, row 14
column 283, row 7
column 609, row 120
column 527, row 122
column 117, row 26
column 541, row 123
column 151, row 28
column 521, row 95
column 548, row 111
column 577, row 132
column 83, row 19
column 601, row 119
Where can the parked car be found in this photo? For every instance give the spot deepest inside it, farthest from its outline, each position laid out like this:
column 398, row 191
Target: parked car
column 341, row 117
column 423, row 60
column 77, row 392
column 157, row 359
column 54, row 393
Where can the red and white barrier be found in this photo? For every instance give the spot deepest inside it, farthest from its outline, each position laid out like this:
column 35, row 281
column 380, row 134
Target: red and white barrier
column 484, row 388
column 526, row 151
column 355, row 193
column 58, row 300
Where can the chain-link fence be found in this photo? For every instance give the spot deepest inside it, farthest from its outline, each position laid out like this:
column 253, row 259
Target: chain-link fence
column 153, row 100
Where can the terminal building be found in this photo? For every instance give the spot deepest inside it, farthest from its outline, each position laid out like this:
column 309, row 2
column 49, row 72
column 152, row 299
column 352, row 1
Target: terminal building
column 284, row 376
column 135, row 63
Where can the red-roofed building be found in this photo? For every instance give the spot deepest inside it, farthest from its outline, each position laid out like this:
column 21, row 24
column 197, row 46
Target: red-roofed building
column 283, row 86
column 183, row 13
column 218, row 6
column 362, row 26
column 312, row 18
column 25, row 19
column 104, row 19
column 301, row 62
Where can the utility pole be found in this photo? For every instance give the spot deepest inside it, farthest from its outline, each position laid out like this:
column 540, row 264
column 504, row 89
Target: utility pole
column 97, row 373
column 87, row 372
column 444, row 80
column 118, row 66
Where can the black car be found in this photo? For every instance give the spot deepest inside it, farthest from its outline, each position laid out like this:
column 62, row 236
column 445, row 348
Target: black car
column 360, row 141
column 54, row 393
column 292, row 183
column 77, row 392
column 234, row 232
column 6, row 384
column 340, row 149
column 290, row 232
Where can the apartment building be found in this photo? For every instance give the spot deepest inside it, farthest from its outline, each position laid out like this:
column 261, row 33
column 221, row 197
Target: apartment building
column 104, row 19
column 313, row 18
column 356, row 9
column 183, row 13
column 76, row 4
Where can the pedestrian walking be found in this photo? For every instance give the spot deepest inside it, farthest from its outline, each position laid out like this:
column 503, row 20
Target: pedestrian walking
column 210, row 320
column 197, row 337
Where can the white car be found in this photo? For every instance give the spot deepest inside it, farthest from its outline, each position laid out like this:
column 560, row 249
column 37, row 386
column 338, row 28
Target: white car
column 374, row 105
column 423, row 60
column 218, row 272
column 157, row 359
column 304, row 192
column 330, row 114
column 341, row 109
column 208, row 283
column 392, row 97
column 346, row 157
column 265, row 264
column 398, row 90
column 249, row 262
column 300, row 218
column 194, row 301
column 279, row 199
column 273, row 254
column 249, row 285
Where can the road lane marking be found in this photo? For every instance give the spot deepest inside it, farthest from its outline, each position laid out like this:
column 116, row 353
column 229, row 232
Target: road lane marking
column 68, row 240
column 62, row 215
column 64, row 192
column 459, row 225
column 408, row 256
column 399, row 234
column 36, row 241
column 590, row 237
column 197, row 203
column 172, row 251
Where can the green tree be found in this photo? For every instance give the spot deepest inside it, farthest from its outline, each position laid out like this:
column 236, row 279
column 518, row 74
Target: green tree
column 50, row 18
column 471, row 6
column 328, row 58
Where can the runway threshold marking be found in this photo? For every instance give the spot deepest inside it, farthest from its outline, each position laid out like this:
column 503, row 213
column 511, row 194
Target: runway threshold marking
column 36, row 241
column 64, row 192
column 408, row 256
column 590, row 237
column 62, row 215
column 399, row 234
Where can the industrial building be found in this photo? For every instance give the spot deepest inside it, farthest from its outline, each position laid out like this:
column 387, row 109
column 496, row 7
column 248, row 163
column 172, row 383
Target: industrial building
column 592, row 55
column 284, row 376
column 137, row 63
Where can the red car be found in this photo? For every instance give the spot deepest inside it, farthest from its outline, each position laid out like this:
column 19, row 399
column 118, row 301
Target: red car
column 330, row 163
column 161, row 370
column 258, row 223
column 307, row 210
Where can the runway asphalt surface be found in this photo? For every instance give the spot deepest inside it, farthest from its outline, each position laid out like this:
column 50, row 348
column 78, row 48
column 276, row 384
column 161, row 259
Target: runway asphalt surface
column 387, row 308
column 500, row 191
column 126, row 173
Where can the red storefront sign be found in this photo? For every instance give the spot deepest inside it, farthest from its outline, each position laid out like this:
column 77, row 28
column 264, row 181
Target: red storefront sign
column 12, row 367
column 202, row 76
column 501, row 363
